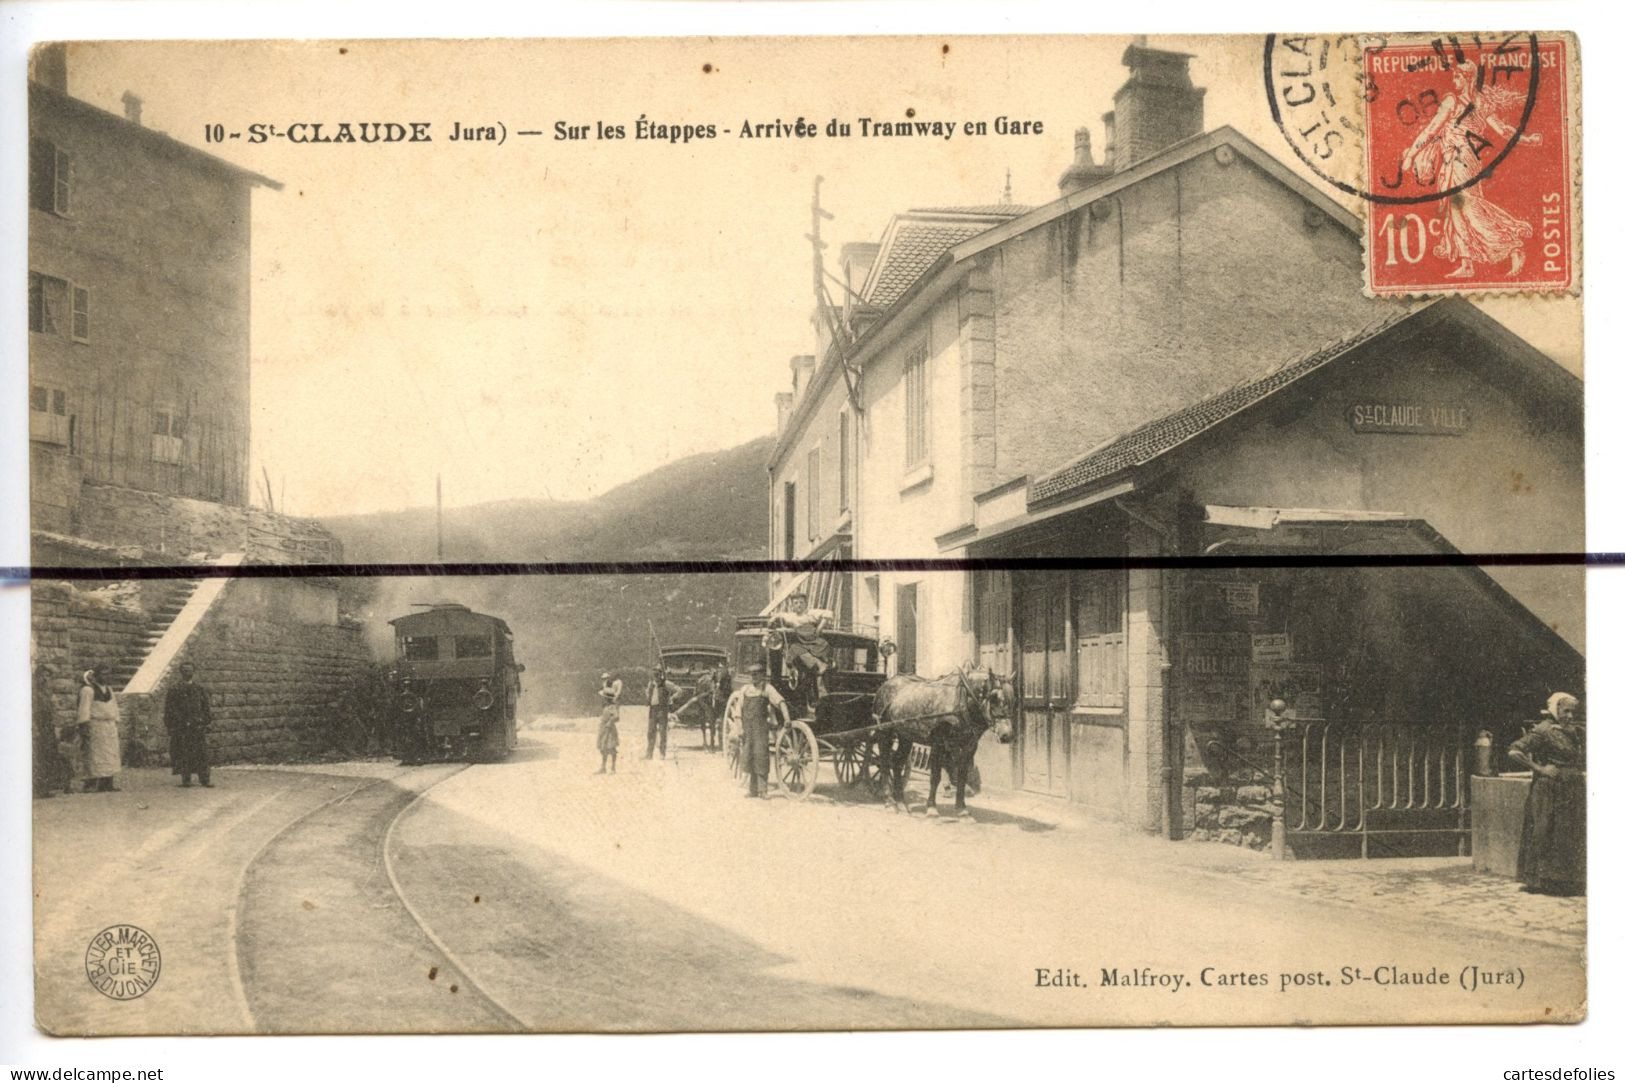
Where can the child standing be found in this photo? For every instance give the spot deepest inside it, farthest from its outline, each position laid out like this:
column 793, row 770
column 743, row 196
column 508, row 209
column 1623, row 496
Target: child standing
column 609, row 734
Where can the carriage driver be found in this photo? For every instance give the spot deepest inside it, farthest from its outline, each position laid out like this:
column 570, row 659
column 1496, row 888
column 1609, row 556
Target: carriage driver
column 805, row 647
column 748, row 709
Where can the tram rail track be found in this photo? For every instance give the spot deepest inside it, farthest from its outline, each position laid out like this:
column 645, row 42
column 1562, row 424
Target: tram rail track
column 470, row 986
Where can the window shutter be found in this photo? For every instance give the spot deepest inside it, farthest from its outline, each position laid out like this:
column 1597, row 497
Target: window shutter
column 53, row 299
column 36, row 301
column 41, row 175
column 81, row 313
column 64, row 181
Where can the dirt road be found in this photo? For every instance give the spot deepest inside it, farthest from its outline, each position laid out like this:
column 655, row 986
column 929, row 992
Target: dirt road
column 536, row 894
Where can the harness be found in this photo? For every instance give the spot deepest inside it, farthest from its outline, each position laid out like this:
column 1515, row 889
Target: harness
column 964, row 700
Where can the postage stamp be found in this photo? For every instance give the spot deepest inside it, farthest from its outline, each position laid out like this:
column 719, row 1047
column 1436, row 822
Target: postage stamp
column 1457, row 150
column 1468, row 166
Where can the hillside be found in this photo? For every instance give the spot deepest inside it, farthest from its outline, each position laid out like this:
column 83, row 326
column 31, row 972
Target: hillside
column 710, row 506
column 569, row 628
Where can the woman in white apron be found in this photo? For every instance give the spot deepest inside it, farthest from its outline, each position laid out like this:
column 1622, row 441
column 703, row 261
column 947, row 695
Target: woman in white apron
column 98, row 733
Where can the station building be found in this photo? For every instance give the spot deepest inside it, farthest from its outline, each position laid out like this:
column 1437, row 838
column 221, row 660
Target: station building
column 1171, row 364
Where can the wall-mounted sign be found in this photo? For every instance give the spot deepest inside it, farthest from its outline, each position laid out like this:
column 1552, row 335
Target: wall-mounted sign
column 1271, row 647
column 1300, row 684
column 1240, row 598
column 1410, row 418
column 1214, row 676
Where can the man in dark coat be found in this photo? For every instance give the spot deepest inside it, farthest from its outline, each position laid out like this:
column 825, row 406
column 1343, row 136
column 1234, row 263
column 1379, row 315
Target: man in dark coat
column 187, row 718
column 661, row 694
column 52, row 772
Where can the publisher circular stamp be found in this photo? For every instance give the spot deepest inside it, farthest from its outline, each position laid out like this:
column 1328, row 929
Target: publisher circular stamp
column 123, row 962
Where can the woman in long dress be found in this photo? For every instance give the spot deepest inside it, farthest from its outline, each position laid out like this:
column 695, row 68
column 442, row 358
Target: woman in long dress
column 1447, row 153
column 609, row 731
column 98, row 733
column 1552, row 852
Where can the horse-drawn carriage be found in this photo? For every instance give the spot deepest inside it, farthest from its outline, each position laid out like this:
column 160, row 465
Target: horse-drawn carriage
column 693, row 668
column 863, row 723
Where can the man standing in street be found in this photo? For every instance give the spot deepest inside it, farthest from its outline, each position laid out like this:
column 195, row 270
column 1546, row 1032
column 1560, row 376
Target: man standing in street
column 187, row 718
column 724, row 688
column 661, row 693
column 748, row 709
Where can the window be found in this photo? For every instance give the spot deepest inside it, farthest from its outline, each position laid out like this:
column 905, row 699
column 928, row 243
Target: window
column 81, row 314
column 908, row 627
column 1097, row 629
column 168, row 436
column 50, row 176
column 420, row 648
column 47, row 303
column 58, row 307
column 846, row 460
column 916, row 408
column 48, row 420
column 991, row 599
column 789, row 520
column 472, row 646
column 812, row 495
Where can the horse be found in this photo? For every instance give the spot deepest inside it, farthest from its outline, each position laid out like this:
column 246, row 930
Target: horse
column 950, row 714
column 706, row 702
column 711, row 698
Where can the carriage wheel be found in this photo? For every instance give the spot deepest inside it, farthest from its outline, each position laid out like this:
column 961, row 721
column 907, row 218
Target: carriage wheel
column 873, row 774
column 795, row 759
column 849, row 764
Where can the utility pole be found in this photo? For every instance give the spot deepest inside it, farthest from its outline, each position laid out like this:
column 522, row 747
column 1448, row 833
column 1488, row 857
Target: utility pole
column 439, row 523
column 826, row 306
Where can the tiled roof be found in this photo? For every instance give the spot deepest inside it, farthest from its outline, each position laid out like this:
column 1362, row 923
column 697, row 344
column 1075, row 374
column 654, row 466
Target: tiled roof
column 1003, row 210
column 1141, row 445
column 919, row 237
column 914, row 248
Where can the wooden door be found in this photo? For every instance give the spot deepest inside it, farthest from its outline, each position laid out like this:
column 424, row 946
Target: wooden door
column 1041, row 642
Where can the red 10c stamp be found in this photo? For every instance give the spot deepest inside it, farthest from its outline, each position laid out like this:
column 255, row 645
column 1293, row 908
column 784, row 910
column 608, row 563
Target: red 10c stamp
column 1467, row 169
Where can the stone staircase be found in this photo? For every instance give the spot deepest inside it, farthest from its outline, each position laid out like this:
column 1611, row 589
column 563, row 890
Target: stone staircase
column 179, row 593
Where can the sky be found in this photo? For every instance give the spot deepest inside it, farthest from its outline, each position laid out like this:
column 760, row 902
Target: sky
column 550, row 318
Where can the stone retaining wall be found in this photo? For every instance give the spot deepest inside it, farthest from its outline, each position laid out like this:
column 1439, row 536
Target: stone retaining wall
column 275, row 687
column 1227, row 795
column 75, row 628
column 180, row 527
column 275, row 681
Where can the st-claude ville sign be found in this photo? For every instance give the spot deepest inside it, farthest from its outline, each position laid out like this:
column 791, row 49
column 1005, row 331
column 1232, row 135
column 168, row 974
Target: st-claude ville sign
column 1412, row 418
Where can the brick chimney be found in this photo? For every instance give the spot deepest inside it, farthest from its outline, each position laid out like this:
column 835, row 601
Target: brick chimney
column 132, row 107
column 785, row 402
column 857, row 258
column 49, row 66
column 1156, row 108
column 1083, row 171
column 801, row 374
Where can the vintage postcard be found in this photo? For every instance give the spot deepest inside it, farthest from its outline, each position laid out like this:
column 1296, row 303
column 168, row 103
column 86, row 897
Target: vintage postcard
column 836, row 534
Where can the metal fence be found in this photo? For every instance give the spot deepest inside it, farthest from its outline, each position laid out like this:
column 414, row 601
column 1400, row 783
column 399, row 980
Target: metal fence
column 1377, row 780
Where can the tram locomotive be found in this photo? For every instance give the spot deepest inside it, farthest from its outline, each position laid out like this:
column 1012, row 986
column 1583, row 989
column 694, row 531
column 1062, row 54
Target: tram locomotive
column 456, row 684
